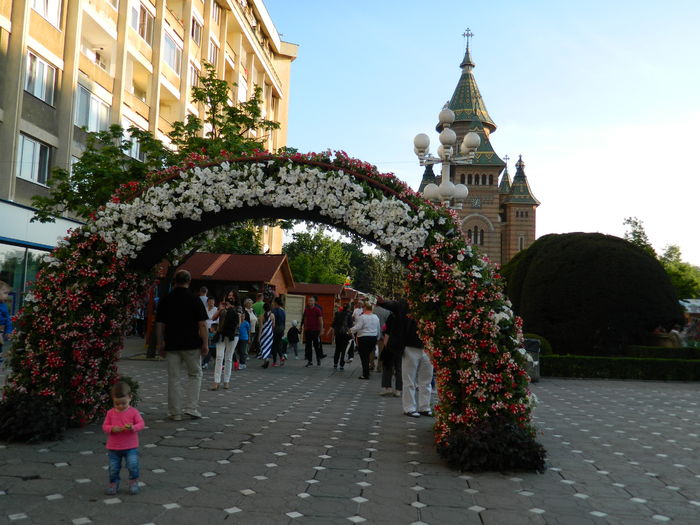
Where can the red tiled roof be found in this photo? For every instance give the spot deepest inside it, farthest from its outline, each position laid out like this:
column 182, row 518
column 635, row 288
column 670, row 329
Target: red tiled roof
column 233, row 267
column 316, row 289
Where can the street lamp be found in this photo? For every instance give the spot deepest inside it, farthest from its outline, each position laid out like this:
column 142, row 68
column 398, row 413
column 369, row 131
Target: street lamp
column 450, row 194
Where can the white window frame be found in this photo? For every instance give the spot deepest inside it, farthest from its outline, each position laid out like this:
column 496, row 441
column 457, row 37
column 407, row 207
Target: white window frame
column 91, row 112
column 176, row 50
column 216, row 13
column 48, row 9
column 33, row 159
column 194, row 75
column 142, row 21
column 40, row 78
column 196, row 31
column 213, row 54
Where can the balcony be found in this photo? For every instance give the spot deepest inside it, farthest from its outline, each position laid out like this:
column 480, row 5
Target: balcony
column 175, row 23
column 164, row 126
column 107, row 12
column 96, row 72
column 138, row 106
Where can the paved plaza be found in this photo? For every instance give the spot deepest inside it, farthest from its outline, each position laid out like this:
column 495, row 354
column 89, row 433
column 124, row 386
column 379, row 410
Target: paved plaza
column 297, row 445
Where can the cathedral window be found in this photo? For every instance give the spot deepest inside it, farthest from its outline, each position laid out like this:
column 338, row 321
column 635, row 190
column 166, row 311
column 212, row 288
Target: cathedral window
column 461, row 178
column 521, row 242
column 483, row 179
column 490, row 180
column 469, row 178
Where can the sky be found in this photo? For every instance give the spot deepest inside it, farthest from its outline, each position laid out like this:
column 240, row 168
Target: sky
column 602, row 99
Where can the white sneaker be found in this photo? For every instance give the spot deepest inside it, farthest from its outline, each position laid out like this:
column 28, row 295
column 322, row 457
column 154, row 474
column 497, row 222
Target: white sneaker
column 194, row 414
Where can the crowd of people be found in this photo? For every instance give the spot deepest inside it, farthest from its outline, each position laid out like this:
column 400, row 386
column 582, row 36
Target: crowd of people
column 192, row 332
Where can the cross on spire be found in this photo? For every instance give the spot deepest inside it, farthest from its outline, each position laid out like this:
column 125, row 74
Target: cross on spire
column 468, row 34
column 506, row 158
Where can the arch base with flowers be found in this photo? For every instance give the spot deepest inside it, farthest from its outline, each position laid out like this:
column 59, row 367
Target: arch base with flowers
column 64, row 357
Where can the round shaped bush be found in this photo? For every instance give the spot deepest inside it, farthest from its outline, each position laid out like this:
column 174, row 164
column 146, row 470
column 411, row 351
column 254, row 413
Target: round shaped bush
column 589, row 293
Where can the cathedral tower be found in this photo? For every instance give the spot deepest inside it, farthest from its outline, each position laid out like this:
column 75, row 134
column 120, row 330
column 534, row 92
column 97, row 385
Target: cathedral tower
column 498, row 218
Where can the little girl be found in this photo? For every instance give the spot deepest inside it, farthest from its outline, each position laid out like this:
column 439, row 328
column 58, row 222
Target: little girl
column 121, row 425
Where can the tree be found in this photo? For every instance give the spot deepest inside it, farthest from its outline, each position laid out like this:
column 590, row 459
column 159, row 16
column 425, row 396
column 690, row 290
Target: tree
column 386, row 276
column 590, row 294
column 315, row 257
column 107, row 163
column 685, row 277
column 638, row 236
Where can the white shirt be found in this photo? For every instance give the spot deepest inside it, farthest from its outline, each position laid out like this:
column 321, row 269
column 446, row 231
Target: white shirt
column 253, row 319
column 211, row 313
column 366, row 325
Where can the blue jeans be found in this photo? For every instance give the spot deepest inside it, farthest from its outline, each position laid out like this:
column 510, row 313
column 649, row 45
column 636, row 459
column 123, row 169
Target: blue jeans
column 131, row 458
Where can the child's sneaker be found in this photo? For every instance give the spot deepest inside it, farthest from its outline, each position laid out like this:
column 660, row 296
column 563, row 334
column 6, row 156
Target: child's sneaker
column 111, row 489
column 134, row 487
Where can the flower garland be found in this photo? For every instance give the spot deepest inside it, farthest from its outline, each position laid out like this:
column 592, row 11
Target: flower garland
column 70, row 332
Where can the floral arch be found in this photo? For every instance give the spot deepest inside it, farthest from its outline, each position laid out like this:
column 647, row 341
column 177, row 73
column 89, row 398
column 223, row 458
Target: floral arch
column 64, row 356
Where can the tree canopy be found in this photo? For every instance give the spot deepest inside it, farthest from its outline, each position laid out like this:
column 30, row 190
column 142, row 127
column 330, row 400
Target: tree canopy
column 685, row 277
column 589, row 293
column 315, row 257
column 116, row 157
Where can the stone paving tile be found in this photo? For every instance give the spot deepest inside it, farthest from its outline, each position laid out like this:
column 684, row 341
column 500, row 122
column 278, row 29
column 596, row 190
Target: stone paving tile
column 264, row 438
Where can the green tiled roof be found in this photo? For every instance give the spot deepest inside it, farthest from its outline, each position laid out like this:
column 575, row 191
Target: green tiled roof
column 485, row 155
column 466, row 100
column 520, row 192
column 504, row 187
column 428, row 178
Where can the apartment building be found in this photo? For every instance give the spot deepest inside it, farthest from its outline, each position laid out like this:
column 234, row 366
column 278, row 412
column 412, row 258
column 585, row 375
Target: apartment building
column 71, row 66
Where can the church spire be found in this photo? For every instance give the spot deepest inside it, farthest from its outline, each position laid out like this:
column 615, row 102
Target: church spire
column 504, row 187
column 467, row 62
column 520, row 192
column 466, row 100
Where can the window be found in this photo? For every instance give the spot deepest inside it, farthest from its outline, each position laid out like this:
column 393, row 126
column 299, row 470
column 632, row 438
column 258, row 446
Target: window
column 483, row 180
column 142, row 22
column 172, row 54
column 194, row 76
column 521, row 243
column 213, row 53
column 41, row 78
column 33, row 160
column 196, row 31
column 90, row 113
column 216, row 13
column 469, row 179
column 476, row 235
column 49, row 9
column 135, row 150
column 490, row 180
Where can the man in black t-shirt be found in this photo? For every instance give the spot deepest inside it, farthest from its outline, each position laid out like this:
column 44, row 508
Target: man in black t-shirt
column 182, row 338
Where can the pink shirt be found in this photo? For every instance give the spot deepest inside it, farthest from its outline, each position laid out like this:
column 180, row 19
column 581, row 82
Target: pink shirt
column 126, row 439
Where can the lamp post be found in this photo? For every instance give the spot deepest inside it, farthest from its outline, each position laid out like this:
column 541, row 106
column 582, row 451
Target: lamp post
column 450, row 194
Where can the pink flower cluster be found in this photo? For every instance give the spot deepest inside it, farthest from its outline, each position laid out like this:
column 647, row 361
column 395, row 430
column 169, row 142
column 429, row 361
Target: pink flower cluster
column 71, row 328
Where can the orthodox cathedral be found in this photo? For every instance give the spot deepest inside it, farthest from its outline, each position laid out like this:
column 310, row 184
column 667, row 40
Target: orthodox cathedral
column 500, row 214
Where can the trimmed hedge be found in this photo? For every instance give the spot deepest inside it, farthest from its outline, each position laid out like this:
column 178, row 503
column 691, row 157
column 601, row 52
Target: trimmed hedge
column 661, row 352
column 620, row 368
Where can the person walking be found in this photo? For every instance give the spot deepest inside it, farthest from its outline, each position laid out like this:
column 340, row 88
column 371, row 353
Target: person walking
column 258, row 308
column 266, row 335
column 293, row 338
column 229, row 321
column 122, row 424
column 312, row 326
column 253, row 320
column 278, row 331
column 341, row 327
column 394, row 344
column 417, row 374
column 367, row 330
column 243, row 338
column 181, row 337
